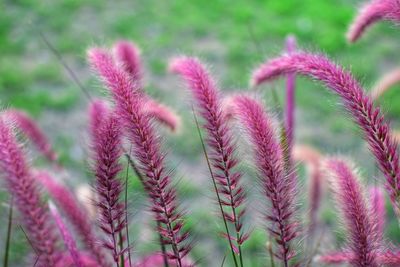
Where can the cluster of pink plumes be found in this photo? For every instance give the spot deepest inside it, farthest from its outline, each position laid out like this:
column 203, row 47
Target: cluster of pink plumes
column 61, row 232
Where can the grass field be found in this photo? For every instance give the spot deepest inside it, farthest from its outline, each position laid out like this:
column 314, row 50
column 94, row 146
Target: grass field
column 232, row 36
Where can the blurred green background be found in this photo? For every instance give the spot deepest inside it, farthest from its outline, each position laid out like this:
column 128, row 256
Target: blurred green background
column 233, row 37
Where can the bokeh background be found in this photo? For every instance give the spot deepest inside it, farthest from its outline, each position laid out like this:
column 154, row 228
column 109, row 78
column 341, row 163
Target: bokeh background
column 233, row 37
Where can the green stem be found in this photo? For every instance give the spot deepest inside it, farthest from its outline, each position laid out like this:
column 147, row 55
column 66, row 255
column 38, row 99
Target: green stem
column 8, row 238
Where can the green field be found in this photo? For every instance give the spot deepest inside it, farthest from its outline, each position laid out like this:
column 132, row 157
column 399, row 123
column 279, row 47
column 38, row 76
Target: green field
column 233, row 37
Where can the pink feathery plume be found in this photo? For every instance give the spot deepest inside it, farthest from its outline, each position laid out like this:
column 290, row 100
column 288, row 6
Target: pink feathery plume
column 371, row 13
column 349, row 194
column 66, row 235
column 29, row 128
column 376, row 131
column 385, row 83
column 98, row 111
column 66, row 200
column 221, row 143
column 66, row 260
column 277, row 186
column 107, row 148
column 22, row 186
column 147, row 150
column 128, row 55
column 377, row 203
column 290, row 97
column 312, row 158
column 387, row 258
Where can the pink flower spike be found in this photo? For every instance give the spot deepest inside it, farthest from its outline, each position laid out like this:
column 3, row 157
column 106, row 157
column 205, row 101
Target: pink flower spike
column 368, row 117
column 349, row 195
column 22, row 186
column 163, row 114
column 147, row 150
column 231, row 194
column 128, row 55
column 371, row 13
column 377, row 203
column 277, row 186
column 67, row 236
column 385, row 83
column 98, row 110
column 29, row 128
column 66, row 200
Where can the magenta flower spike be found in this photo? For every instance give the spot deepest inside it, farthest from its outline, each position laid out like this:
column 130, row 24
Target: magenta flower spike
column 147, row 150
column 107, row 150
column 66, row 235
column 127, row 54
column 221, row 143
column 368, row 117
column 66, row 200
column 349, row 195
column 277, row 186
column 29, row 128
column 27, row 198
column 385, row 258
column 371, row 13
column 290, row 97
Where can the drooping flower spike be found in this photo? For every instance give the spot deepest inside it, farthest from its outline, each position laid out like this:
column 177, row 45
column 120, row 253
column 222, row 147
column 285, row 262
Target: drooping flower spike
column 385, row 83
column 19, row 181
column 277, row 186
column 67, row 202
column 350, row 197
column 107, row 150
column 29, row 128
column 69, row 241
column 207, row 97
column 147, row 151
column 371, row 13
column 369, row 118
column 127, row 54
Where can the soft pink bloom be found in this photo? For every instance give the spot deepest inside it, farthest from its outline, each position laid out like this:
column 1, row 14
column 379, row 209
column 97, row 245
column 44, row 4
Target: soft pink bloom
column 376, row 131
column 277, row 186
column 220, row 141
column 66, row 200
column 29, row 128
column 146, row 148
column 66, row 235
column 385, row 83
column 349, row 194
column 163, row 114
column 378, row 212
column 20, row 183
column 371, row 13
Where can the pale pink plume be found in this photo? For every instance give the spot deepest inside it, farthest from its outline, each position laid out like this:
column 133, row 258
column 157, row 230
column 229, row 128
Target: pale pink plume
column 378, row 211
column 146, row 149
column 385, row 83
column 85, row 196
column 225, row 176
column 371, row 13
column 349, row 194
column 278, row 188
column 69, row 241
column 29, row 128
column 163, row 114
column 369, row 118
column 20, row 183
column 387, row 258
column 68, row 203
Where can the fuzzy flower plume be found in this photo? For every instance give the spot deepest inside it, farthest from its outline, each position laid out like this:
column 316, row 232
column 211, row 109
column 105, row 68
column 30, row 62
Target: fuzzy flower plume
column 312, row 159
column 66, row 235
column 107, row 150
column 369, row 118
column 22, row 186
column 277, row 186
column 371, row 13
column 220, row 142
column 385, row 83
column 66, row 200
column 377, row 203
column 29, row 128
column 350, row 197
column 127, row 54
column 147, row 150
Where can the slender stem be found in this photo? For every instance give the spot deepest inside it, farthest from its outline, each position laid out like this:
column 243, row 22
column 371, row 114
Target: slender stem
column 215, row 188
column 8, row 238
column 121, row 247
column 271, row 254
column 126, row 213
column 141, row 179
